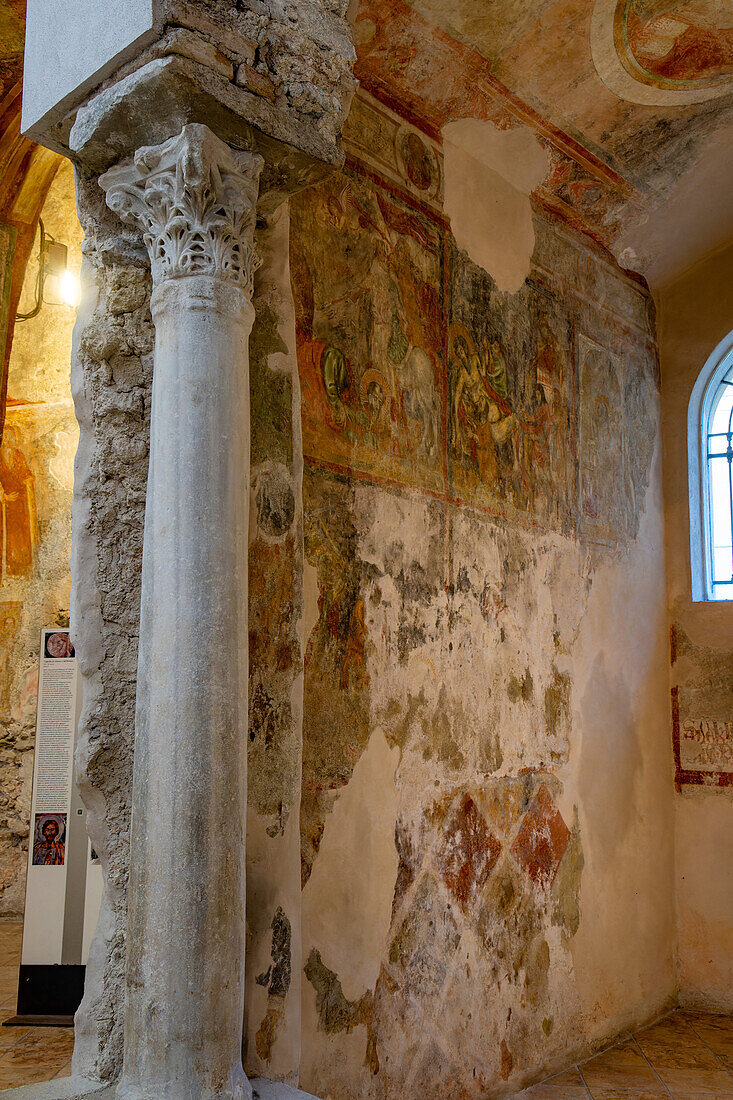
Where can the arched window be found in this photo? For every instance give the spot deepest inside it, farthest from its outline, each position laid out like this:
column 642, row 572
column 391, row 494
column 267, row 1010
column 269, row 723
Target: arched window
column 710, row 464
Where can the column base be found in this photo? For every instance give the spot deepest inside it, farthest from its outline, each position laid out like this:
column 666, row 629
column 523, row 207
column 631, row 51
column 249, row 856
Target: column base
column 79, row 1088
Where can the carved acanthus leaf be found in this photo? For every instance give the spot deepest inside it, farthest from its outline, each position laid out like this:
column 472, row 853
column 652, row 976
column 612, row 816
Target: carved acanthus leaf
column 195, row 200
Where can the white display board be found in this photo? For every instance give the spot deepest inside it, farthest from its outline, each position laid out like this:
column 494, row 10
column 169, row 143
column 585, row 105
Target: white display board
column 63, row 888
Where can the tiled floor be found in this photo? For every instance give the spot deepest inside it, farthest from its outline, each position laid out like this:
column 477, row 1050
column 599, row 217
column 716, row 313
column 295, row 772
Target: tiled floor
column 688, row 1056
column 27, row 1054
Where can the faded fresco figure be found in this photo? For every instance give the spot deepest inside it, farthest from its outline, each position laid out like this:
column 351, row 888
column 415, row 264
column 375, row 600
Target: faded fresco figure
column 19, row 532
column 510, row 393
column 353, row 672
column 674, row 41
column 604, row 490
column 414, row 371
column 10, row 617
column 486, row 429
column 551, row 418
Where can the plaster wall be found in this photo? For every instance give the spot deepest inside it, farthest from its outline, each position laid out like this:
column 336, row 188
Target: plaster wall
column 36, row 470
column 696, row 313
column 486, row 810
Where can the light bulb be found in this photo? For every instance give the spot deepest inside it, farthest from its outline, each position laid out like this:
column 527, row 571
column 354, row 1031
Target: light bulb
column 69, row 288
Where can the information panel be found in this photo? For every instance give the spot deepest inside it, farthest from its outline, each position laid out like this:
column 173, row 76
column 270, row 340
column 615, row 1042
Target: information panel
column 64, row 883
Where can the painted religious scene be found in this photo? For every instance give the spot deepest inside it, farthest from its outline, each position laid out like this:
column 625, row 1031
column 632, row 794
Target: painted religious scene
column 672, row 44
column 511, row 398
column 367, row 280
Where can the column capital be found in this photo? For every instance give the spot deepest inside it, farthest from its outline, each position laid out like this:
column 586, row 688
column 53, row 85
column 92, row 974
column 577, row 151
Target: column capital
column 195, row 200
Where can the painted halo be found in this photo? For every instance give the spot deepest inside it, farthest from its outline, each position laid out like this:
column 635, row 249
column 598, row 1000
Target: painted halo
column 42, row 819
column 664, row 52
column 373, row 375
column 417, row 161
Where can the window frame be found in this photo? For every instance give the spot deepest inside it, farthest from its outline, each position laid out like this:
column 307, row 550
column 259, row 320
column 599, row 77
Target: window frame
column 698, row 416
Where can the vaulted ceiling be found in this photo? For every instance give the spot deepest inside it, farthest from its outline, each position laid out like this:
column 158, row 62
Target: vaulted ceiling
column 632, row 98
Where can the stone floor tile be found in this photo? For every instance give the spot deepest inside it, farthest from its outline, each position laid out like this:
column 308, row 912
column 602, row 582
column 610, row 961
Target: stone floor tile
column 706, row 1082
column 622, row 1071
column 626, row 1054
column 8, row 982
column 632, row 1092
column 701, row 1095
column 9, row 1036
column 13, row 1076
column 547, row 1092
column 49, row 1045
column 716, row 1032
column 672, row 1042
column 563, row 1086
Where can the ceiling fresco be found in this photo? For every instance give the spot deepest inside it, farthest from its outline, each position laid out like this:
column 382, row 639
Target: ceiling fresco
column 664, row 52
column 632, row 100
column 627, row 95
column 12, row 34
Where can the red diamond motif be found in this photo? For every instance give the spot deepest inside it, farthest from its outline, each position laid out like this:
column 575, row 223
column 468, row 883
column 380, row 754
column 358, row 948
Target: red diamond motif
column 542, row 839
column 468, row 852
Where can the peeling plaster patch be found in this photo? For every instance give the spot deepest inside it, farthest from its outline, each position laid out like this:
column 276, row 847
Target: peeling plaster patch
column 310, row 599
column 335, row 1011
column 489, row 175
column 347, row 901
column 276, row 979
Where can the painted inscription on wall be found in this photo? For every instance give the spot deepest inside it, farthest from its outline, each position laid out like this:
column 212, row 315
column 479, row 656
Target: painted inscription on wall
column 702, row 710
column 706, row 744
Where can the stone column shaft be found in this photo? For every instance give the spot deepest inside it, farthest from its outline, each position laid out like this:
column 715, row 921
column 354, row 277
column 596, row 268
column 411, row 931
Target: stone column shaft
column 195, row 200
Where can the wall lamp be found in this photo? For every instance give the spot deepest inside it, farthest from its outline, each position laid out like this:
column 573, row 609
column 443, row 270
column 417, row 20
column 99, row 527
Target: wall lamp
column 52, row 265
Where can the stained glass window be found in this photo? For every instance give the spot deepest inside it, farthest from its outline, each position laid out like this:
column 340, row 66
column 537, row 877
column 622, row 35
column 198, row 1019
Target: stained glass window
column 719, row 503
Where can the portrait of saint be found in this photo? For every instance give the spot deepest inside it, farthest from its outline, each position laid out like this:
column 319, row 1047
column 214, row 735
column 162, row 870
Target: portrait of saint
column 58, row 644
column 49, row 847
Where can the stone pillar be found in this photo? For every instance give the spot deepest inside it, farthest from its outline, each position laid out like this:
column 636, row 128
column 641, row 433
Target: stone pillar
column 195, row 200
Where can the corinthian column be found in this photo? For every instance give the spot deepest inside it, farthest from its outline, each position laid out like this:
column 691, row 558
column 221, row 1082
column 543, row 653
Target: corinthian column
column 195, row 201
